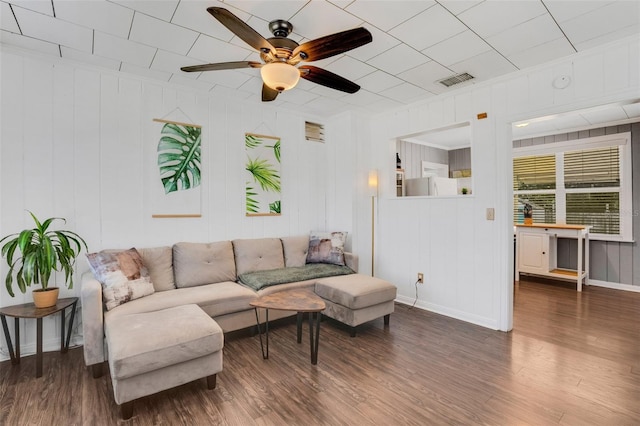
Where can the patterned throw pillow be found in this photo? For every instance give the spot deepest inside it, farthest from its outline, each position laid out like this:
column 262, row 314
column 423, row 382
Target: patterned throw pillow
column 326, row 247
column 122, row 274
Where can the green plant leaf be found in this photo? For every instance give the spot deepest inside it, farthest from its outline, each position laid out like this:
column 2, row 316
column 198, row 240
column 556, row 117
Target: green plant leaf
column 276, row 150
column 253, row 206
column 275, row 207
column 251, row 141
column 179, row 157
column 264, row 173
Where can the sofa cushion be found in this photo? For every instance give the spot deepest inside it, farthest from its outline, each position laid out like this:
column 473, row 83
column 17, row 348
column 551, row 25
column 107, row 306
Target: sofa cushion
column 203, row 263
column 139, row 343
column 122, row 274
column 261, row 279
column 295, row 250
column 355, row 291
column 327, row 247
column 215, row 299
column 159, row 263
column 258, row 254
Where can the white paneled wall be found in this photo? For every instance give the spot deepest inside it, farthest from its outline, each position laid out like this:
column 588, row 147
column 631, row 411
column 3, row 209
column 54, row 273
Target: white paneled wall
column 79, row 143
column 466, row 259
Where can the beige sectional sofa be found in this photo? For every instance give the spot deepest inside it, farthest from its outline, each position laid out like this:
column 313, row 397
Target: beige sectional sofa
column 207, row 275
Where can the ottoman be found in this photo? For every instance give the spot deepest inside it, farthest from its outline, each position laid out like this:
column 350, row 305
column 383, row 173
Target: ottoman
column 355, row 299
column 154, row 351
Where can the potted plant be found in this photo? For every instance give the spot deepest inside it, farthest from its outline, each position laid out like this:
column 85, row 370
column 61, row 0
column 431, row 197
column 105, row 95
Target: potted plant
column 465, row 191
column 33, row 255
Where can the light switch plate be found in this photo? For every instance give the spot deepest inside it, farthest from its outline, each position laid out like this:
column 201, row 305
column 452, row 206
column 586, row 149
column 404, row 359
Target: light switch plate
column 491, row 213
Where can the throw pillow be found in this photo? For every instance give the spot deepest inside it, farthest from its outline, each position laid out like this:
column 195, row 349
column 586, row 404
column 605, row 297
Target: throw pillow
column 326, row 247
column 122, row 274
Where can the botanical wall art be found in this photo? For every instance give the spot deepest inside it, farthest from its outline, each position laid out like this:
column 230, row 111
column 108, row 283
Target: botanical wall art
column 263, row 175
column 177, row 175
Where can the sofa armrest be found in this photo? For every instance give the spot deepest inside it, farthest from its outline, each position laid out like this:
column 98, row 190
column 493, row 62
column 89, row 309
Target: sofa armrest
column 351, row 260
column 92, row 320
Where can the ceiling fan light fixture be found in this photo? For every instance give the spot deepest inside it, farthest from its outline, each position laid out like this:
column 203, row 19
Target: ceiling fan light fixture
column 280, row 76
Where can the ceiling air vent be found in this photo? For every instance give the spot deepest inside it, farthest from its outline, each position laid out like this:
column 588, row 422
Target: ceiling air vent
column 313, row 132
column 456, row 79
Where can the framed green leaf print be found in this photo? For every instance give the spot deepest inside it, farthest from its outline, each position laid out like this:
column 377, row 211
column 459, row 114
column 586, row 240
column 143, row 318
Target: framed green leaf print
column 178, row 170
column 263, row 192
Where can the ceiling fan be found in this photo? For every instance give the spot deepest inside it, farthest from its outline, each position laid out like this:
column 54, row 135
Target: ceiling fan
column 281, row 55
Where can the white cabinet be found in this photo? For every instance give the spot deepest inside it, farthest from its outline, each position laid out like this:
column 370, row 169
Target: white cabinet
column 537, row 251
column 533, row 255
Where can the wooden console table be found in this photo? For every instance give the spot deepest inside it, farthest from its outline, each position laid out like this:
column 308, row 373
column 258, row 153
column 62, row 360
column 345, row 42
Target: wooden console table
column 537, row 251
column 29, row 310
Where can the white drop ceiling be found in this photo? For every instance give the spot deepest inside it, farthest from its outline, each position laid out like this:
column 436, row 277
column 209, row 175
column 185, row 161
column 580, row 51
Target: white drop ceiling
column 415, row 43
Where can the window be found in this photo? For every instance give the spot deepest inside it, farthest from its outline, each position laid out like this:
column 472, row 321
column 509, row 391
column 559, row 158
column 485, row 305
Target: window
column 580, row 182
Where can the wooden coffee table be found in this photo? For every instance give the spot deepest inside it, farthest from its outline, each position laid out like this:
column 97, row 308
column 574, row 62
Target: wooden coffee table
column 299, row 300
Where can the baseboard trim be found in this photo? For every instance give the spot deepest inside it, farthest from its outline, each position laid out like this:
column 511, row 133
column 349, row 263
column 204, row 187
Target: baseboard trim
column 452, row 313
column 615, row 286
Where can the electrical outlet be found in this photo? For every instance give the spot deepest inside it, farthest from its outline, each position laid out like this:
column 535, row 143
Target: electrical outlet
column 420, row 277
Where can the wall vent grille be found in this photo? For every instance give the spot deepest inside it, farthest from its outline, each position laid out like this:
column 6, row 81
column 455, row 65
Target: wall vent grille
column 313, row 132
column 456, row 79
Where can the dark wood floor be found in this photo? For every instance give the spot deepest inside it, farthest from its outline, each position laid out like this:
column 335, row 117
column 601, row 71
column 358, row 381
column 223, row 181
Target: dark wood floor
column 572, row 359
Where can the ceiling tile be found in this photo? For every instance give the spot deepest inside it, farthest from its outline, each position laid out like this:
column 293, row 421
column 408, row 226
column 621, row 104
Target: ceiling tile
column 363, row 98
column 341, row 3
column 299, row 97
column 100, row 15
column 617, row 34
column 271, row 10
column 322, row 105
column 457, row 48
column 171, row 62
column 160, row 9
column 308, row 23
column 77, row 55
column 194, row 15
column 195, row 84
column 327, row 92
column 386, row 16
column 405, row 92
column 378, row 81
column 491, row 17
column 210, row 49
column 546, row 52
column 398, row 59
column 145, row 72
column 427, row 76
column 40, row 6
column 122, row 50
column 428, row 28
column 155, row 32
column 350, row 68
column 7, row 20
column 228, row 78
column 602, row 21
column 29, row 43
column 47, row 28
column 253, row 86
column 534, row 32
column 458, row 6
column 485, row 65
column 563, row 10
column 381, row 43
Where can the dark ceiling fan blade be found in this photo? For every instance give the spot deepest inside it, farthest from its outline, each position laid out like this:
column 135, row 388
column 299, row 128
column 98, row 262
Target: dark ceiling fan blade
column 325, row 47
column 328, row 79
column 241, row 29
column 268, row 94
column 222, row 66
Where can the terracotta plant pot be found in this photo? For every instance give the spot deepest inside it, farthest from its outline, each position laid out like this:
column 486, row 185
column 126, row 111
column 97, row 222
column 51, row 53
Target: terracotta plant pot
column 45, row 298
